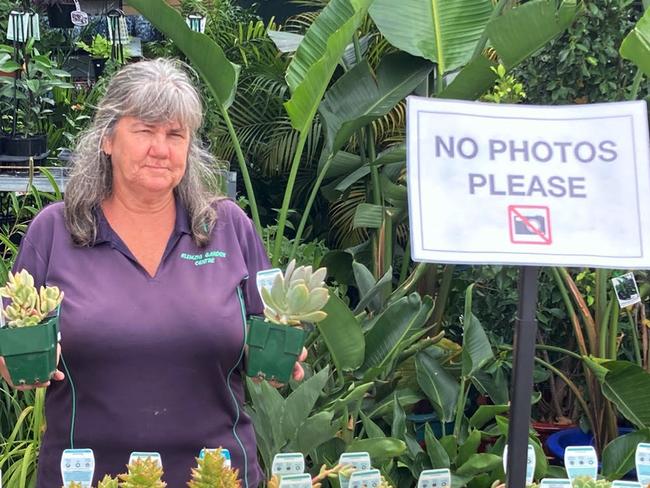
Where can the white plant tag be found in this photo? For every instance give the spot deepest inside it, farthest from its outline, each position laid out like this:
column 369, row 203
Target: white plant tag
column 196, row 22
column 642, row 459
column 435, row 478
column 144, row 455
column 288, row 463
column 530, row 463
column 302, row 480
column 370, row 478
column 78, row 465
column 264, row 279
column 555, row 483
column 358, row 460
column 625, row 484
column 225, row 453
column 78, row 16
column 627, row 291
column 580, row 461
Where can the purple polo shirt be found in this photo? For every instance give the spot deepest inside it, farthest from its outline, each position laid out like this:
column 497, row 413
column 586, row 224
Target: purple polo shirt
column 156, row 362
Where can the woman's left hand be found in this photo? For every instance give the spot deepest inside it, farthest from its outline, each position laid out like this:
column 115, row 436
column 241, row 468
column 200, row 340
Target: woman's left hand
column 299, row 373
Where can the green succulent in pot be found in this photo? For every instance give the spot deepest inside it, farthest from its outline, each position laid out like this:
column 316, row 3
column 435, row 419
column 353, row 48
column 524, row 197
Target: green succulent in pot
column 28, row 341
column 295, row 298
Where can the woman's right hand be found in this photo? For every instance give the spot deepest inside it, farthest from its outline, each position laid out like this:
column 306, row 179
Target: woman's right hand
column 58, row 375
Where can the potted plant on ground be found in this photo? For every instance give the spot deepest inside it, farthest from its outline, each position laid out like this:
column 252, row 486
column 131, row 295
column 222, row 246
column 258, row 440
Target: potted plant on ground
column 27, row 101
column 295, row 298
column 58, row 12
column 28, row 341
column 100, row 50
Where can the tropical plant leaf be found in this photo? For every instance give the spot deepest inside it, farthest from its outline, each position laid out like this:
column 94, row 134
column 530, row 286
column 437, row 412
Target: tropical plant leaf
column 301, row 401
column 316, row 430
column 476, row 346
column 342, row 334
column 318, row 55
column 479, row 463
column 380, row 449
column 618, row 455
column 369, row 216
column 524, row 29
column 442, row 31
column 437, row 384
column 636, row 45
column 437, row 453
column 205, row 55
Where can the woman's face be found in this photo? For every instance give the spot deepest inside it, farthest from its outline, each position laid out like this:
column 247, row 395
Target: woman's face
column 147, row 159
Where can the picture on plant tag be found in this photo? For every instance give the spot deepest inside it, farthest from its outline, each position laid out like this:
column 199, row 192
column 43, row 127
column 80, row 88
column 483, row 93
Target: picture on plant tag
column 626, row 290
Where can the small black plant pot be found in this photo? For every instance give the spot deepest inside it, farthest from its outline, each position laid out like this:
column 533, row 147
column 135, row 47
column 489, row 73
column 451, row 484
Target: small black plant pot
column 273, row 349
column 30, row 352
column 58, row 15
column 98, row 66
column 23, row 148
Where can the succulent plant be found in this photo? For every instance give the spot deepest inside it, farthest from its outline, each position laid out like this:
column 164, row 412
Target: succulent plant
column 143, row 473
column 108, row 482
column 588, row 482
column 74, row 484
column 212, row 472
column 297, row 296
column 28, row 306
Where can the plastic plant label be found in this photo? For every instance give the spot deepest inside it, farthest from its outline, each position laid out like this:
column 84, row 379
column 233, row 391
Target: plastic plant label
column 531, row 460
column 288, row 463
column 224, row 452
column 358, row 460
column 369, row 478
column 627, row 291
column 78, row 465
column 302, row 480
column 555, row 483
column 196, row 22
column 144, row 455
column 265, row 279
column 625, row 484
column 580, row 461
column 643, row 463
column 435, row 478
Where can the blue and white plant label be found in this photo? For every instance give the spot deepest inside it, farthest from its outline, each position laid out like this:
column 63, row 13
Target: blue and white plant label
column 555, row 483
column 225, row 453
column 302, row 480
column 77, row 465
column 643, row 463
column 288, row 463
column 581, row 461
column 625, row 484
column 435, row 478
column 360, row 461
column 144, row 455
column 369, row 478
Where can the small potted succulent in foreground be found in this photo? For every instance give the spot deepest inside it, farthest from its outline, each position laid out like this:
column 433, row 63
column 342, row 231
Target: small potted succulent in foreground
column 295, row 298
column 29, row 339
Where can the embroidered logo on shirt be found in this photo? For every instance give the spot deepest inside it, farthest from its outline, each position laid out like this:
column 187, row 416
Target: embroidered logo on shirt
column 207, row 257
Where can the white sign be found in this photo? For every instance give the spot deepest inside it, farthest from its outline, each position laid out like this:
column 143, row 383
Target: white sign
column 288, row 463
column 521, row 184
column 642, row 461
column 530, row 462
column 155, row 456
column 77, row 465
column 370, row 478
column 435, row 478
column 555, row 483
column 580, row 461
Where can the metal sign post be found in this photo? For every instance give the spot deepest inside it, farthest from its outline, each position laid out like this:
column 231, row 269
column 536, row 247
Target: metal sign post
column 522, row 384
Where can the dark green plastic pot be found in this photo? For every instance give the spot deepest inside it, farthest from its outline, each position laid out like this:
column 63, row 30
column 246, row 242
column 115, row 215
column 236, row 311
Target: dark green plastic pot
column 273, row 349
column 30, row 352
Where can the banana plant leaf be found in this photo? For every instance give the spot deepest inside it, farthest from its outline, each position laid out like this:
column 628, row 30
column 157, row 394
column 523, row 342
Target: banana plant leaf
column 476, row 346
column 627, row 385
column 299, row 404
column 368, row 215
column 440, row 387
column 619, row 455
column 442, row 31
column 636, row 45
column 205, row 55
column 342, row 334
column 386, row 338
column 358, row 98
column 318, row 56
column 380, row 449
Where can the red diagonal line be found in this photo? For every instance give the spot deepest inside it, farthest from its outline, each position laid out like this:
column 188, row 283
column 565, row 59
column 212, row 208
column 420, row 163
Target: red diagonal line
column 528, row 224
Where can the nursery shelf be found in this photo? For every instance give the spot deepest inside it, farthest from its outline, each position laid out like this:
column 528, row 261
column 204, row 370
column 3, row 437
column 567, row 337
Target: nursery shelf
column 16, row 178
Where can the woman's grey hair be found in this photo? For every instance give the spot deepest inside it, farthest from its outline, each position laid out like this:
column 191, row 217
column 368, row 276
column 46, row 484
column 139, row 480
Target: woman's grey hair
column 156, row 91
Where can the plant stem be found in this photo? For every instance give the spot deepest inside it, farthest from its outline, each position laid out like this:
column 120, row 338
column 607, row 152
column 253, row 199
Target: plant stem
column 409, row 283
column 406, row 260
column 636, row 84
column 613, row 328
column 635, row 337
column 295, row 163
column 442, row 296
column 244, row 170
column 603, row 336
column 460, row 406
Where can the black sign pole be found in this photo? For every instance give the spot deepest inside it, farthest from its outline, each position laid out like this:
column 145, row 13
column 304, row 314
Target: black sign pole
column 522, row 385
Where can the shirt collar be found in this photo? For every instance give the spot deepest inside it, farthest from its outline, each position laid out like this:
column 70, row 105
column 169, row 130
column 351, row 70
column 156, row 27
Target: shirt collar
column 106, row 234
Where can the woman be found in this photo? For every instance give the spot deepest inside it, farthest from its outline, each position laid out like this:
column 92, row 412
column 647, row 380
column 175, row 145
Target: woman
column 158, row 277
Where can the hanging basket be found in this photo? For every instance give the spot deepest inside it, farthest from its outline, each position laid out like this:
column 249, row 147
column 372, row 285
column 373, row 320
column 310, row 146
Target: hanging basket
column 30, row 352
column 58, row 15
column 273, row 349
